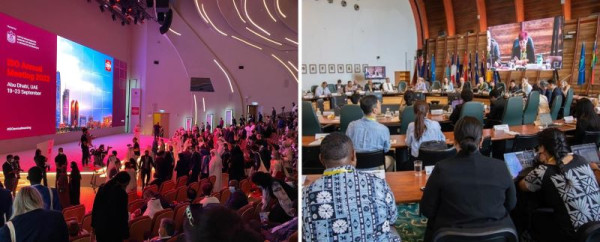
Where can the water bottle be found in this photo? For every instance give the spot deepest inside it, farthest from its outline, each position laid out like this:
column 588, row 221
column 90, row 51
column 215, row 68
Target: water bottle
column 388, row 113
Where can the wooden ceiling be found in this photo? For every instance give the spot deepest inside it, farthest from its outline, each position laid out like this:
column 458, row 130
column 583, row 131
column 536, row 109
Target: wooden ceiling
column 476, row 15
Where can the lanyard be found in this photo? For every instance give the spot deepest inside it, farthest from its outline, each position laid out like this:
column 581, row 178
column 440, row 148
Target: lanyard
column 337, row 171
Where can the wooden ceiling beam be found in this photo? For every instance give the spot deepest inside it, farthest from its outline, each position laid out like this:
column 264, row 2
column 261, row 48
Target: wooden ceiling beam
column 420, row 16
column 451, row 27
column 566, row 7
column 519, row 11
column 482, row 15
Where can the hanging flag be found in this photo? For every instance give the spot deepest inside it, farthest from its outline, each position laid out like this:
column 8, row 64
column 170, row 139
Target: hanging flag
column 476, row 68
column 482, row 69
column 453, row 71
column 458, row 68
column 415, row 72
column 581, row 77
column 594, row 60
column 465, row 71
column 432, row 68
column 447, row 70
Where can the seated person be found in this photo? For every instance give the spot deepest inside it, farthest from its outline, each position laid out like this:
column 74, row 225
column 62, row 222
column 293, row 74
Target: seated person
column 207, row 193
column 466, row 95
column 512, row 87
column 543, row 107
column 339, row 87
column 555, row 91
column 587, row 119
column 150, row 195
column 74, row 229
column 217, row 223
column 388, row 86
column 422, row 129
column 153, row 206
column 165, row 231
column 469, row 190
column 525, row 86
column 563, row 179
column 191, row 194
column 420, row 86
column 447, row 85
column 237, row 199
column 461, row 84
column 286, row 196
column 409, row 100
column 497, row 104
column 322, row 90
column 350, row 87
column 370, row 87
column 483, row 86
column 367, row 134
column 329, row 205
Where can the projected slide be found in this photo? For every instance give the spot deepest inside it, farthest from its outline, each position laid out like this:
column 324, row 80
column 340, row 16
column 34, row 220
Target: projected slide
column 84, row 80
column 51, row 84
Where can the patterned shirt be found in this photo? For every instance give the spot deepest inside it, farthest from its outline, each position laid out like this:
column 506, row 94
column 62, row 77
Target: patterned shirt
column 368, row 135
column 574, row 195
column 348, row 205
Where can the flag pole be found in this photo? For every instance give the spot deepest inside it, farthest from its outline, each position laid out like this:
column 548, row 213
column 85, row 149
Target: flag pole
column 591, row 81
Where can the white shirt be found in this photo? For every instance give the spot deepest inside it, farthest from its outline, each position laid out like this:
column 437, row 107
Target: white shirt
column 322, row 91
column 388, row 87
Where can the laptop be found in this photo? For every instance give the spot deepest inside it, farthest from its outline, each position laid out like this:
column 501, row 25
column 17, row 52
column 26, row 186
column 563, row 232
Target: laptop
column 517, row 161
column 587, row 151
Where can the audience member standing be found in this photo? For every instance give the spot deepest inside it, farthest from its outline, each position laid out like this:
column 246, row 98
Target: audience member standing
column 74, row 184
column 10, row 177
column 40, row 161
column 236, row 164
column 156, row 130
column 85, row 143
column 130, row 168
column 62, row 179
column 215, row 168
column 136, row 148
column 49, row 195
column 109, row 213
column 146, row 165
column 183, row 166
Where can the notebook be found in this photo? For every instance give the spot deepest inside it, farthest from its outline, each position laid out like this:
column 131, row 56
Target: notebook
column 587, row 151
column 517, row 161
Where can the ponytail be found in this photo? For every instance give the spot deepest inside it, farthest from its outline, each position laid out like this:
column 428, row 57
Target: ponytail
column 467, row 134
column 421, row 109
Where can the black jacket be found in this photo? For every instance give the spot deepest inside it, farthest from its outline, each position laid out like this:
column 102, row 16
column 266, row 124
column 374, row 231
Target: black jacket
column 110, row 217
column 497, row 109
column 38, row 225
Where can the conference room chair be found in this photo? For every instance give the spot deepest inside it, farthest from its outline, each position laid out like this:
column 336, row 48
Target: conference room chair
column 408, row 116
column 170, row 196
column 135, row 205
column 592, row 137
column 313, row 89
column 472, row 109
column 310, row 122
column 337, row 102
column 488, row 234
column 370, row 160
column 379, row 96
column 140, row 228
column 402, row 86
column 225, row 194
column 513, row 111
column 310, row 160
column 166, row 186
column 165, row 213
column 181, row 194
column 589, row 232
column 348, row 114
column 431, row 152
column 332, row 88
column 436, row 85
column 486, row 146
column 377, row 85
column 531, row 108
column 86, row 222
column 524, row 142
column 181, row 181
column 555, row 107
column 74, row 212
column 568, row 102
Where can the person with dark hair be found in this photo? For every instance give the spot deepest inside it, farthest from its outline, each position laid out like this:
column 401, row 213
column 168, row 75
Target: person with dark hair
column 587, row 119
column 74, row 184
column 10, row 175
column 217, row 223
column 86, row 143
column 422, row 129
column 165, row 231
column 49, row 195
column 447, row 86
column 409, row 99
column 62, row 180
column 512, row 87
column 146, row 165
column 236, row 164
column 523, row 50
column 40, row 161
column 207, row 191
column 497, row 105
column 328, row 204
column 466, row 95
column 339, row 89
column 184, row 164
column 567, row 184
column 555, row 91
column 109, row 213
column 60, row 161
column 322, row 90
column 136, row 148
column 285, row 207
column 6, row 202
column 16, row 163
column 367, row 134
column 470, row 189
column 191, row 194
column 237, row 199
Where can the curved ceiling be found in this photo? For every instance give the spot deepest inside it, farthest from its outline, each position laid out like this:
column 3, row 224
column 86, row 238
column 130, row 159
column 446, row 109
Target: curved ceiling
column 215, row 38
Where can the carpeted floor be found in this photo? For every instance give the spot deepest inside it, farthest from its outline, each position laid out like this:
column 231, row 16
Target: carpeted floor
column 410, row 225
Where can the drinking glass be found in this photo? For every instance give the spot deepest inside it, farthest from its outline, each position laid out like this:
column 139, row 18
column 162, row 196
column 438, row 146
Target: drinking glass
column 418, row 167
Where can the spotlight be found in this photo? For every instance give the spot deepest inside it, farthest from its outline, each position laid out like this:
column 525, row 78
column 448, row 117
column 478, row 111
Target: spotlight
column 114, row 17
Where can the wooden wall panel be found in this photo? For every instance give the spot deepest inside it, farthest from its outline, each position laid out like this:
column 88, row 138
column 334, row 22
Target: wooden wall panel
column 436, row 17
column 584, row 8
column 465, row 16
column 537, row 9
column 500, row 12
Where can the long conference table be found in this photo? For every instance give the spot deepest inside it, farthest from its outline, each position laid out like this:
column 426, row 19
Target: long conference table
column 387, row 121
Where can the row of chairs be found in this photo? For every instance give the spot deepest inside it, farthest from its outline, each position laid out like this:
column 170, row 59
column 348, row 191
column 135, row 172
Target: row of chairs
column 144, row 227
column 333, row 88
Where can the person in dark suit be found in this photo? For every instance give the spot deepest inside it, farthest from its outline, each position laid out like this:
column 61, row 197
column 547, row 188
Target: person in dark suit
column 40, row 161
column 523, row 50
column 497, row 104
column 33, row 223
column 466, row 95
column 109, row 213
column 6, row 201
column 555, row 92
column 237, row 199
column 195, row 164
column 10, row 176
column 468, row 190
column 236, row 164
column 156, row 130
column 60, row 161
column 51, row 201
column 146, row 165
column 74, row 184
column 183, row 165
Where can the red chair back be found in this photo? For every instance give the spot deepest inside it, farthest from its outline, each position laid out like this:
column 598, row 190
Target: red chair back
column 245, row 186
column 195, row 186
column 212, row 179
column 181, row 194
column 135, row 205
column 248, row 214
column 181, row 181
column 132, row 196
column 166, row 186
column 166, row 213
column 171, row 196
column 139, row 229
column 179, row 216
column 75, row 212
column 225, row 194
column 86, row 223
column 153, row 188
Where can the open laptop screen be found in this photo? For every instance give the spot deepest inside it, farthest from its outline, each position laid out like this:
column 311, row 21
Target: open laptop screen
column 517, row 161
column 587, row 151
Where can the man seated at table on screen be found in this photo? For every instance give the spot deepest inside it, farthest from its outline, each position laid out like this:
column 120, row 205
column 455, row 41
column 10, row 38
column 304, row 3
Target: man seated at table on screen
column 523, row 50
column 335, row 206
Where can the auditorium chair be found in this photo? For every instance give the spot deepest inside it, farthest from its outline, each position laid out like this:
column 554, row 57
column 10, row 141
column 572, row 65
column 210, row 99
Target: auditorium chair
column 179, row 216
column 165, row 213
column 170, row 196
column 140, row 229
column 181, row 181
column 310, row 122
column 589, row 232
column 407, row 116
column 568, row 102
column 181, row 194
column 152, row 187
column 348, row 114
column 592, row 137
column 195, row 186
column 166, row 186
column 74, row 212
column 245, row 186
column 225, row 193
column 135, row 205
column 86, row 222
column 431, row 152
column 531, row 108
column 197, row 200
column 513, row 111
column 524, row 142
column 82, row 238
column 332, row 88
column 244, row 208
column 131, row 196
column 502, row 85
column 225, row 179
column 248, row 214
column 202, row 182
column 497, row 233
column 369, row 160
column 212, row 179
column 555, row 107
column 472, row 109
column 402, row 86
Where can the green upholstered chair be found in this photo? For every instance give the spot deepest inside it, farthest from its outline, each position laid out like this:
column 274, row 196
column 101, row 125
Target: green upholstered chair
column 513, row 111
column 348, row 114
column 310, row 122
column 555, row 107
column 567, row 107
column 472, row 109
column 313, row 89
column 531, row 108
column 332, row 88
column 436, row 85
column 402, row 86
column 408, row 115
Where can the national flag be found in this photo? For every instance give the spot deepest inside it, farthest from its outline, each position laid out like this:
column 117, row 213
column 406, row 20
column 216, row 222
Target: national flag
column 482, row 69
column 447, row 70
column 476, row 68
column 581, row 77
column 432, row 68
column 594, row 60
column 465, row 68
column 453, row 71
column 458, row 68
